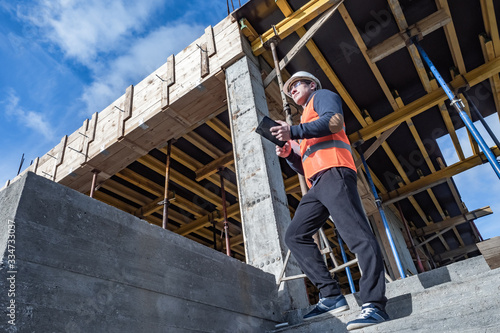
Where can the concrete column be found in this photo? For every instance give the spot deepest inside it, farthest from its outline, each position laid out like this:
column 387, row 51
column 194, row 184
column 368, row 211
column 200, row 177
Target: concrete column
column 263, row 202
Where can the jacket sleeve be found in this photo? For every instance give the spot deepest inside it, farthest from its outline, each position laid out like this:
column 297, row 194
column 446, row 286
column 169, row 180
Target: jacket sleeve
column 295, row 162
column 326, row 104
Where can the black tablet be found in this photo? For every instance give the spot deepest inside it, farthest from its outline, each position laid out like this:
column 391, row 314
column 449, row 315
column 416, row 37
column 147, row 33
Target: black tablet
column 264, row 129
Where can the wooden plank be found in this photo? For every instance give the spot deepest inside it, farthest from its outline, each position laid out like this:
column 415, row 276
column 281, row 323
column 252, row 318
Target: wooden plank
column 424, row 103
column 456, row 220
column 206, row 220
column 489, row 54
column 451, row 37
column 170, row 78
column 362, row 46
column 210, row 41
column 133, row 146
column 61, row 148
column 220, row 128
column 34, row 166
column 456, row 253
column 198, row 141
column 82, row 131
column 126, row 113
column 490, row 23
column 205, row 67
column 125, row 192
column 398, row 41
column 289, row 25
column 213, row 166
column 88, row 138
column 164, row 94
column 490, row 249
column 302, row 42
column 181, row 180
column 375, row 145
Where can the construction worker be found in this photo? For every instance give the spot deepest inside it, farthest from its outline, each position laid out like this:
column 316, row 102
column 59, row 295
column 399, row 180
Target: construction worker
column 324, row 158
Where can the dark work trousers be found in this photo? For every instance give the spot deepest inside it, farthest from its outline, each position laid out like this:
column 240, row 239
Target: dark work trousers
column 336, row 194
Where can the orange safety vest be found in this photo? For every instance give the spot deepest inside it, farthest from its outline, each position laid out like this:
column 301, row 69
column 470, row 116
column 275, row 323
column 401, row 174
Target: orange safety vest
column 318, row 154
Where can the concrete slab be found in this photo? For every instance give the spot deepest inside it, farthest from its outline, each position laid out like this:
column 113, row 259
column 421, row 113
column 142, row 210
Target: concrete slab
column 457, row 298
column 83, row 266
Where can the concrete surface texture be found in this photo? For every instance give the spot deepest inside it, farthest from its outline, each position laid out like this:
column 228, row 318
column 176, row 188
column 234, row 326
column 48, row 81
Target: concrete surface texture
column 78, row 265
column 462, row 297
column 263, row 202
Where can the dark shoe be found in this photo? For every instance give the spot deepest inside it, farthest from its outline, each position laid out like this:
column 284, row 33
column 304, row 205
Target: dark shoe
column 328, row 306
column 370, row 315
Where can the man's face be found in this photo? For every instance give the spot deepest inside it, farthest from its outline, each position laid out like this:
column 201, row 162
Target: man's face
column 301, row 90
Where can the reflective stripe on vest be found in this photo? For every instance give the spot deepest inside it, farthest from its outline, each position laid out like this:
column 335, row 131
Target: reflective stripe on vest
column 324, row 145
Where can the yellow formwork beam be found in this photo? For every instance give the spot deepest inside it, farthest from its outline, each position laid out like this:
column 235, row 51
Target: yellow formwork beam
column 289, row 25
column 436, row 178
column 490, row 23
column 424, row 103
column 324, row 65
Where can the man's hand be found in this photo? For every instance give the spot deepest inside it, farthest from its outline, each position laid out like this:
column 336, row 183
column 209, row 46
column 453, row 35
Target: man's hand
column 284, row 151
column 281, row 132
column 336, row 123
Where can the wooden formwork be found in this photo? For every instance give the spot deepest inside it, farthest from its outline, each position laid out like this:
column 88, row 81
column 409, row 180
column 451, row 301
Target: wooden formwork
column 179, row 96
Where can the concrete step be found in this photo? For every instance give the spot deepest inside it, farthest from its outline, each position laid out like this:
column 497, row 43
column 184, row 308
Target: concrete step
column 462, row 297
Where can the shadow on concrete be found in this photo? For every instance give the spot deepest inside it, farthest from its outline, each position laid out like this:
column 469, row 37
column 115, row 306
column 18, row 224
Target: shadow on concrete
column 400, row 306
column 434, row 278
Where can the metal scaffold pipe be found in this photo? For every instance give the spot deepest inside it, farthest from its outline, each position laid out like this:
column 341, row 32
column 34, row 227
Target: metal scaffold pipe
column 458, row 105
column 347, row 269
column 378, row 202
column 224, row 210
column 94, row 181
column 167, row 176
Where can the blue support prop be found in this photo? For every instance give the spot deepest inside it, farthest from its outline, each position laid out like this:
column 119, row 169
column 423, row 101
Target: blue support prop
column 347, row 269
column 458, row 105
column 384, row 219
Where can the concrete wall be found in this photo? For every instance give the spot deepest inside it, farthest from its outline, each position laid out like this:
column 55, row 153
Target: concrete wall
column 84, row 266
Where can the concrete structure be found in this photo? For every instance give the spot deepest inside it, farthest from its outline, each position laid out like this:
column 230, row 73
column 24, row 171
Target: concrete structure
column 462, row 297
column 261, row 191
column 83, row 266
column 208, row 99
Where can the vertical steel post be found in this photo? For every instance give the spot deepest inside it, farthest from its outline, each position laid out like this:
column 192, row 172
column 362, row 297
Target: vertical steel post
column 215, row 234
column 94, row 181
column 347, row 269
column 458, row 105
column 167, row 177
column 224, row 210
column 382, row 215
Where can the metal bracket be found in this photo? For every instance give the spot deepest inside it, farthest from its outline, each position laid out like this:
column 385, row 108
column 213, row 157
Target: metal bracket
column 275, row 39
column 168, row 200
column 462, row 88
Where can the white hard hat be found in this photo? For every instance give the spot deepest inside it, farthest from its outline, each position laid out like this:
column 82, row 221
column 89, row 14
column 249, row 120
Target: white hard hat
column 300, row 76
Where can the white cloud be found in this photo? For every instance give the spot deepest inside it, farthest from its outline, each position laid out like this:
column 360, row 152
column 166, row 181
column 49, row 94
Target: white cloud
column 27, row 118
column 143, row 57
column 84, row 29
column 107, row 37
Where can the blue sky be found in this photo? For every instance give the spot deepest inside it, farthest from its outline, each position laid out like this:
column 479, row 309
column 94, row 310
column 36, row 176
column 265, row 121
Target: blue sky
column 63, row 60
column 478, row 186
